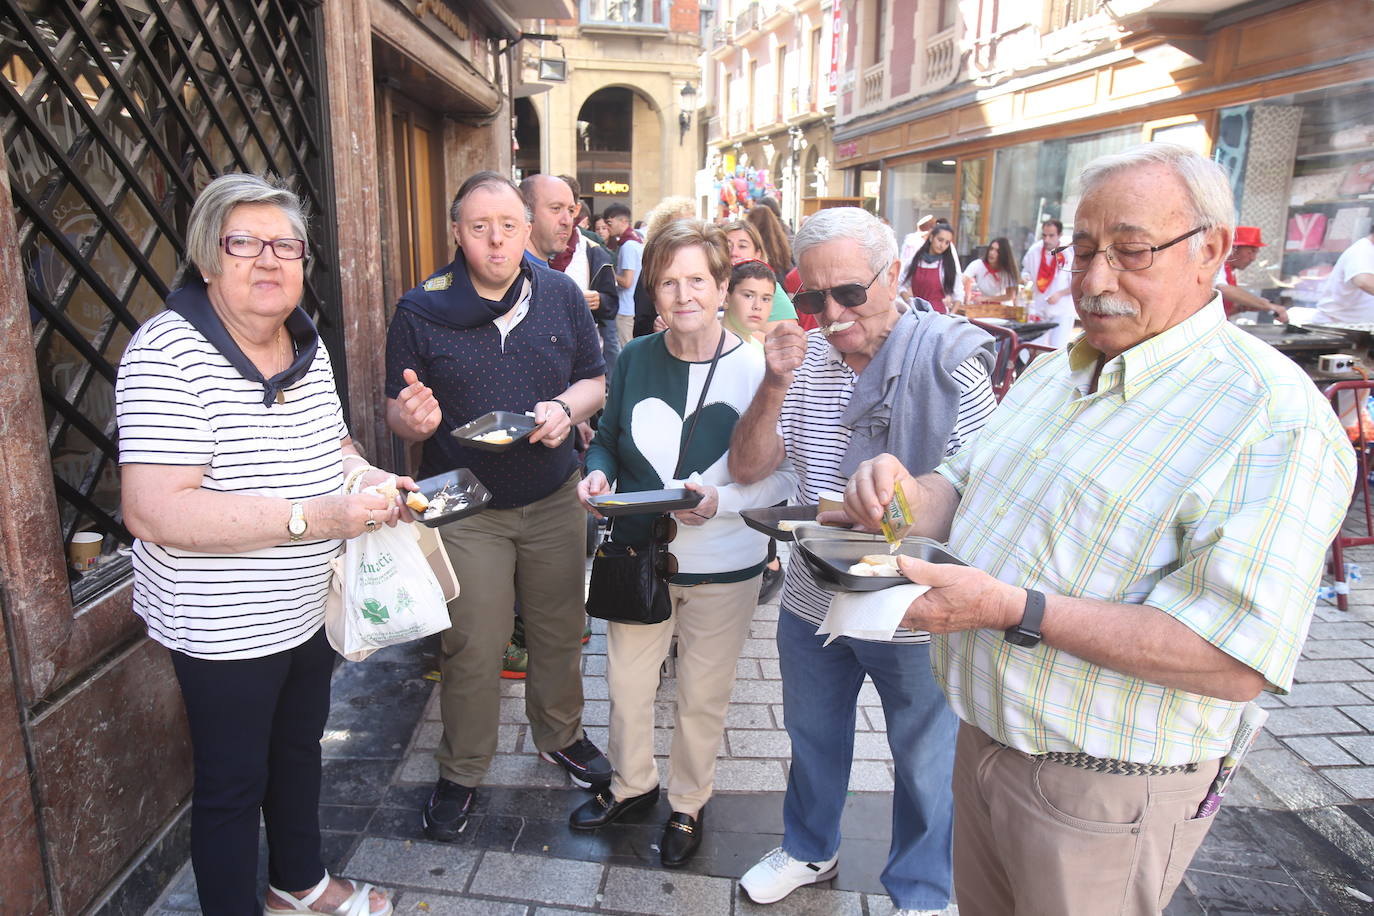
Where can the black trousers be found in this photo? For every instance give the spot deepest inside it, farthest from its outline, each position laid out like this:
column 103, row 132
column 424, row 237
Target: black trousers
column 255, row 730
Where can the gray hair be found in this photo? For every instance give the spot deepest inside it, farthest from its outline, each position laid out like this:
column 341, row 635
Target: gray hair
column 486, row 181
column 1207, row 187
column 834, row 223
column 212, row 208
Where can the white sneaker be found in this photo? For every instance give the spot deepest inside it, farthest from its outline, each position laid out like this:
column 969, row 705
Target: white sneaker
column 945, row 912
column 777, row 874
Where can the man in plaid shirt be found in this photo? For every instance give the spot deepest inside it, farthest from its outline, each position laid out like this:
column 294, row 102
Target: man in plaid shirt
column 1145, row 518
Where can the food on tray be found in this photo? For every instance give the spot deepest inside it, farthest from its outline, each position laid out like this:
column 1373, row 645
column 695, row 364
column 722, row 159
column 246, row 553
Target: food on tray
column 836, row 327
column 497, row 436
column 876, row 564
column 613, row 502
column 446, row 501
column 417, row 501
column 786, row 525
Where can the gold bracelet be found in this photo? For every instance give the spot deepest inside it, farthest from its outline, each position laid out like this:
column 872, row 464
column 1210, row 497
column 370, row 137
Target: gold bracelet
column 353, row 478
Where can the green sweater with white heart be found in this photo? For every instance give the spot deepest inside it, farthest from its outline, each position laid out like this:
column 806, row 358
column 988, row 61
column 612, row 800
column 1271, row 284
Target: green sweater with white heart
column 639, row 442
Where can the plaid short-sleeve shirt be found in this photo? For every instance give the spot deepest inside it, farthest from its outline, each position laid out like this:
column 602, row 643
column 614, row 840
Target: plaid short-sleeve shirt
column 1205, row 477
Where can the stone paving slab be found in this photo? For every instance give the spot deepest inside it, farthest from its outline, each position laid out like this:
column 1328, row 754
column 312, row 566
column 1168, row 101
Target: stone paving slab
column 405, row 863
column 538, row 879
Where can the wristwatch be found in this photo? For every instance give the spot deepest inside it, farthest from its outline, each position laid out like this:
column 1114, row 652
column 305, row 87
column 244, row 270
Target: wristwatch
column 1027, row 633
column 566, row 409
column 295, row 527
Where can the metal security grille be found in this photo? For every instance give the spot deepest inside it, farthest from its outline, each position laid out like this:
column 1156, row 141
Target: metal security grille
column 114, row 116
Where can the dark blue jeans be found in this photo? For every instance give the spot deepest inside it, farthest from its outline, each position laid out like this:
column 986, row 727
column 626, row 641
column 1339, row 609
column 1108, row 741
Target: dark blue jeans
column 255, row 731
column 820, row 689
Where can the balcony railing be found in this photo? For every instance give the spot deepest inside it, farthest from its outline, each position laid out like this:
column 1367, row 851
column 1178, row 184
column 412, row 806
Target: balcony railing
column 871, row 85
column 739, row 122
column 942, row 61
column 801, row 100
column 1063, row 13
column 721, row 34
column 747, row 20
column 629, row 14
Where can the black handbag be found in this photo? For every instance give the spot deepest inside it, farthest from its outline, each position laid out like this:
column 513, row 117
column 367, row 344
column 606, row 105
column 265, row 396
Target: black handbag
column 626, row 586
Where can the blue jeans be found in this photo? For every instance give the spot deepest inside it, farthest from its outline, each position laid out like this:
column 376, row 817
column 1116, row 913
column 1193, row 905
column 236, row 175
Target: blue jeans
column 820, row 689
column 610, row 345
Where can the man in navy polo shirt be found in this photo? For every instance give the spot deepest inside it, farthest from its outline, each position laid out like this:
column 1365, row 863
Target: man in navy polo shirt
column 497, row 330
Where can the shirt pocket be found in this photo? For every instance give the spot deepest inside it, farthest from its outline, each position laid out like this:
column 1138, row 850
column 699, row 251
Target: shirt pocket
column 1092, row 541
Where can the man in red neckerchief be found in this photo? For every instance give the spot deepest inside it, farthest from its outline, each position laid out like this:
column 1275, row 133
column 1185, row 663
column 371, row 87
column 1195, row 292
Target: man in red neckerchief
column 1244, row 249
column 1047, row 269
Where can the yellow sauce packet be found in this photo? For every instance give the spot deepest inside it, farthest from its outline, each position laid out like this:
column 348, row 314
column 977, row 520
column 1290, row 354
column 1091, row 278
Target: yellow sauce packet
column 896, row 519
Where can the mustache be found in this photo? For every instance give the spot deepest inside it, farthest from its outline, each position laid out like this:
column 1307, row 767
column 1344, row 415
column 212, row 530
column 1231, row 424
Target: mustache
column 1107, row 306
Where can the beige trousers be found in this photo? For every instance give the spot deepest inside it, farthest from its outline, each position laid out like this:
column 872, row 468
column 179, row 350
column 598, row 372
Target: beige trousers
column 711, row 622
column 1034, row 838
column 625, row 327
column 533, row 553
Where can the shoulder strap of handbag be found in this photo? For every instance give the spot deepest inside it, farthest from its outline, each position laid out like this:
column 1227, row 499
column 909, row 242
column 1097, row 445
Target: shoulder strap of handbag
column 677, row 469
column 720, row 345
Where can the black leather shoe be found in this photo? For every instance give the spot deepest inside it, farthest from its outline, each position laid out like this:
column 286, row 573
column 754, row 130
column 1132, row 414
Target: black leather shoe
column 446, row 813
column 602, row 809
column 772, row 582
column 681, row 839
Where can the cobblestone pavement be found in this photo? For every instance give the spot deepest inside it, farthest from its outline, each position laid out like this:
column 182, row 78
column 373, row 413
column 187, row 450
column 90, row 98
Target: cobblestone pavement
column 1295, row 837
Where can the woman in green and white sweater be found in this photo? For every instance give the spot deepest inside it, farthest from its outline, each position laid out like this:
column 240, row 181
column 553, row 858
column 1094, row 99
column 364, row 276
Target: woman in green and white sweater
column 638, row 446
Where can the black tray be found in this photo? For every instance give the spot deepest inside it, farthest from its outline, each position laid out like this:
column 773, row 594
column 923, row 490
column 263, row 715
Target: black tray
column 497, row 419
column 766, row 520
column 645, row 502
column 829, row 553
column 461, row 481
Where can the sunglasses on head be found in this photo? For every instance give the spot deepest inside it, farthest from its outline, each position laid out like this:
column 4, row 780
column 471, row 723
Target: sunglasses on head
column 663, row 529
column 846, row 295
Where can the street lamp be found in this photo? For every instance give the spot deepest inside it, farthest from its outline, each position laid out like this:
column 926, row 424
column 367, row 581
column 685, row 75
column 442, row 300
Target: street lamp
column 796, row 142
column 684, row 116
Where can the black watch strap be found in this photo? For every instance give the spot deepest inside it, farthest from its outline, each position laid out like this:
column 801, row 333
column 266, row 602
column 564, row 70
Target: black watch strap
column 1027, row 632
column 564, row 404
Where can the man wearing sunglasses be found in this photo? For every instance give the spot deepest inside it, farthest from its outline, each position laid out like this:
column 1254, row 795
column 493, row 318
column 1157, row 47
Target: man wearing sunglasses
column 1145, row 519
column 870, row 380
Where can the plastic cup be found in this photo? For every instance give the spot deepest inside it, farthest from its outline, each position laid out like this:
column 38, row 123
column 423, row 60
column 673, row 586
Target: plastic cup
column 85, row 549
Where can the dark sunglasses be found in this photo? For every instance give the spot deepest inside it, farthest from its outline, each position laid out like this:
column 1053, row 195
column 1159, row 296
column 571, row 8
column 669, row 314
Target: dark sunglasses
column 663, row 530
column 846, row 295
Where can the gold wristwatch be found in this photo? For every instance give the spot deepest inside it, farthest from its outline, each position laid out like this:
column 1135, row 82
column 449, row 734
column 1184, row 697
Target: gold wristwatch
column 295, row 527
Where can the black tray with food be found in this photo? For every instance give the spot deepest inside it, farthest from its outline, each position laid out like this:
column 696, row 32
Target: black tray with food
column 645, row 502
column 778, row 521
column 451, row 496
column 830, row 552
column 496, row 431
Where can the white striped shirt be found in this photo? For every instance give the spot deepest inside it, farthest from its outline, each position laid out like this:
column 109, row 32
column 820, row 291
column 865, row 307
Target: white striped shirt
column 179, row 402
column 815, row 441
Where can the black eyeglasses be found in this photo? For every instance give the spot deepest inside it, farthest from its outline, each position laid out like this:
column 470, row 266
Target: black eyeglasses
column 846, row 295
column 663, row 530
column 1121, row 255
column 248, row 246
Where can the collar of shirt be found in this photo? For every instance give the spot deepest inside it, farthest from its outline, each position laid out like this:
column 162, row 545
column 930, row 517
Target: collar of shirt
column 507, row 322
column 1138, row 366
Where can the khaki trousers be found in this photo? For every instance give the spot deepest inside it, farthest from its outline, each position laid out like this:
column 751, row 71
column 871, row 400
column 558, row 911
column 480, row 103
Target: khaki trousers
column 625, row 327
column 534, row 554
column 711, row 622
column 1035, row 838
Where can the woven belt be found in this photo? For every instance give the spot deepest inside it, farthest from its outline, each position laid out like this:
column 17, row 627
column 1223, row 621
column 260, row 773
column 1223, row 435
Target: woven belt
column 1114, row 767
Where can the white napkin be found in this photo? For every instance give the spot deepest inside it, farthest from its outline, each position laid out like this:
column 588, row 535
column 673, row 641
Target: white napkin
column 869, row 615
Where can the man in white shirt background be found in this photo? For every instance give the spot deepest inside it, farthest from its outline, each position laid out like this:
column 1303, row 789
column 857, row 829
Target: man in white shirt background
column 1048, row 272
column 1349, row 292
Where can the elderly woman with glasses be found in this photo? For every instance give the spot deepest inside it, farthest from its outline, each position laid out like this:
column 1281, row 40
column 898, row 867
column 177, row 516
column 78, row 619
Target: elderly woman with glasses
column 696, row 377
column 234, row 458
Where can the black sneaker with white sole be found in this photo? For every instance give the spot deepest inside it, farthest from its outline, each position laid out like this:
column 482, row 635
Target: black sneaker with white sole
column 585, row 764
column 446, row 813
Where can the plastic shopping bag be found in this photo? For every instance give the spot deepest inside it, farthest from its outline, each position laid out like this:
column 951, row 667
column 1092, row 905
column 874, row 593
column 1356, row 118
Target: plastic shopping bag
column 385, row 592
